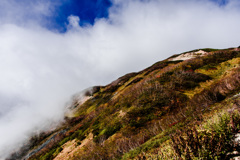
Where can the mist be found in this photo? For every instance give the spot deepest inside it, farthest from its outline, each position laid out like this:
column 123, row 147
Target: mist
column 42, row 68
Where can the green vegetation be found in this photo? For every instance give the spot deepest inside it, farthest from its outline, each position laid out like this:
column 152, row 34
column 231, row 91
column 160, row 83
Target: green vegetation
column 140, row 115
column 209, row 49
column 212, row 143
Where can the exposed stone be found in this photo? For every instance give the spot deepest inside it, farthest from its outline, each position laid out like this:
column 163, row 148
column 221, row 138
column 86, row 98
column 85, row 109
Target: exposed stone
column 188, row 55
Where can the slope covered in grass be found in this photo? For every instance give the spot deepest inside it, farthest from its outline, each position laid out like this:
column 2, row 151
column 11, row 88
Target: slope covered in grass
column 140, row 114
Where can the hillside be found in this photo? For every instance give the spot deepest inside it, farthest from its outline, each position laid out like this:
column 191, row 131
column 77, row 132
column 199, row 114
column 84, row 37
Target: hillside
column 185, row 106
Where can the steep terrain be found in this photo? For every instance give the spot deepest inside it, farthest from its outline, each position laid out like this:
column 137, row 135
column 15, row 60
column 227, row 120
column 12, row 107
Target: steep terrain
column 169, row 110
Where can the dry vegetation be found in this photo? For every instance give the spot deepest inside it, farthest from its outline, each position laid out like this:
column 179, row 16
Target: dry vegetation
column 144, row 115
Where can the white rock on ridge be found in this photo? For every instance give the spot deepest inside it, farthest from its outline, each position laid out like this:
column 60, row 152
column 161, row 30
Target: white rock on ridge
column 188, row 55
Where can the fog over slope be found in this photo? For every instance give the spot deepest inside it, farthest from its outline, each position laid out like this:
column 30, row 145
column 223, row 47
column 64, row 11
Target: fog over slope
column 41, row 68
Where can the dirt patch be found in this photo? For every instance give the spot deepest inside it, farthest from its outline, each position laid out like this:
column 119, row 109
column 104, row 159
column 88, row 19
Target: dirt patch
column 67, row 148
column 71, row 147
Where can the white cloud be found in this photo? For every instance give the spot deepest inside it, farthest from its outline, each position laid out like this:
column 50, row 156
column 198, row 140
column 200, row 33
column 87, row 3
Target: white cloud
column 25, row 11
column 41, row 69
column 73, row 22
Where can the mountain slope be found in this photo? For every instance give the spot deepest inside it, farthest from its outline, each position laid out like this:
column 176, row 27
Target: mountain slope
column 135, row 116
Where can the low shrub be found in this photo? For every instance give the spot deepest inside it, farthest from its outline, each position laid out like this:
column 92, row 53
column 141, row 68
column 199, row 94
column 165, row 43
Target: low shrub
column 214, row 143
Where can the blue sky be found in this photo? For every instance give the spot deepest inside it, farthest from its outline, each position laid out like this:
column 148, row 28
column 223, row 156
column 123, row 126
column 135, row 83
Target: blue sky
column 87, row 11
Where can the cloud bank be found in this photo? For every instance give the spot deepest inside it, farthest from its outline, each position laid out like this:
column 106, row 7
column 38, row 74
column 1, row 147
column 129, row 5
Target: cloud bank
column 41, row 68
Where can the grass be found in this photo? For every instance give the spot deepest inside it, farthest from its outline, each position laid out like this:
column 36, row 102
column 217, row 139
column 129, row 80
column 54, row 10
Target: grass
column 216, row 122
column 156, row 95
column 214, row 142
column 154, row 142
column 221, row 70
